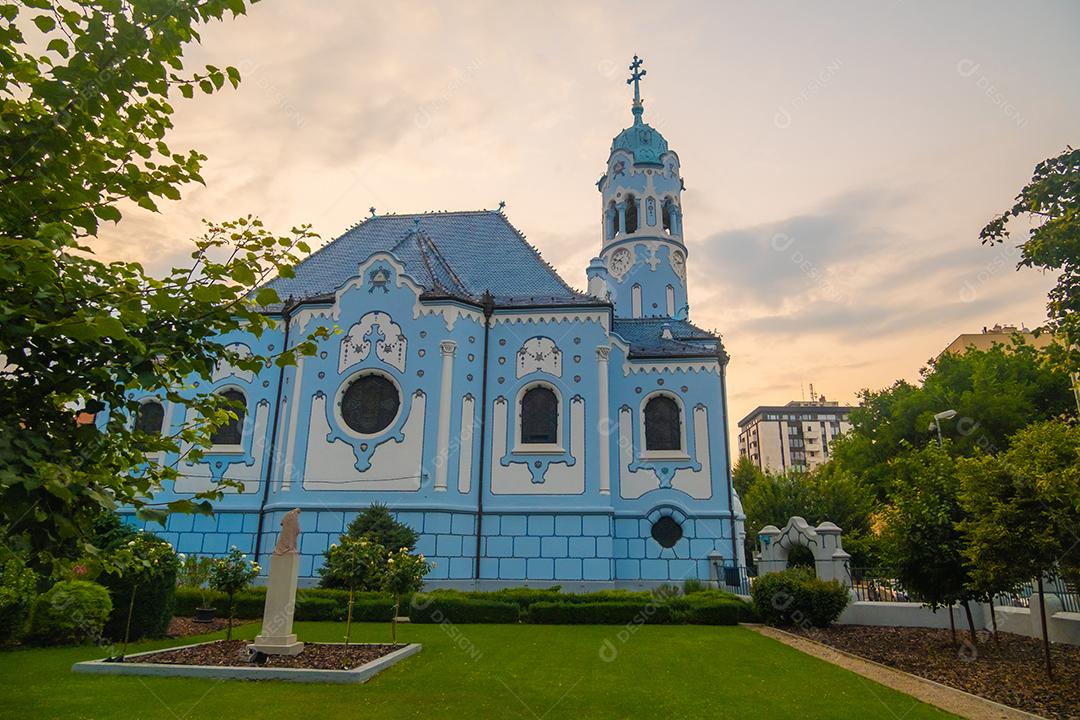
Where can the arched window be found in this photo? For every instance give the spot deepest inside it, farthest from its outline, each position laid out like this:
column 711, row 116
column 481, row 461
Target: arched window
column 613, row 220
column 539, row 416
column 631, row 214
column 150, row 418
column 663, row 424
column 665, row 215
column 370, row 404
column 232, row 432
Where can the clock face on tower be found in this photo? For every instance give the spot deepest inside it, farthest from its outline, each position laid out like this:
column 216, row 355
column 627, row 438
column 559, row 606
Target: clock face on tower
column 620, row 262
column 678, row 264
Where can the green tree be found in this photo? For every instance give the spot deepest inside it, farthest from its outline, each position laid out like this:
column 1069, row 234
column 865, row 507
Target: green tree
column 1023, row 510
column 377, row 523
column 1051, row 200
column 744, row 475
column 826, row 493
column 923, row 542
column 995, row 392
column 355, row 563
column 85, row 107
column 232, row 574
column 404, row 575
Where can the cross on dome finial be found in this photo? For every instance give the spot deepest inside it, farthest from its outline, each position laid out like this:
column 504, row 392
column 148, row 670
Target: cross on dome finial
column 636, row 73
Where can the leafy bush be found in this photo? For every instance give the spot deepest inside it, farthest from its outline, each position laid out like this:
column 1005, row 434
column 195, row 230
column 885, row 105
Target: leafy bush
column 230, row 575
column 146, row 566
column 367, row 607
column 317, row 608
column 72, row 611
column 600, row 613
column 440, row 607
column 796, row 597
column 377, row 526
column 17, row 586
column 195, row 573
column 693, row 585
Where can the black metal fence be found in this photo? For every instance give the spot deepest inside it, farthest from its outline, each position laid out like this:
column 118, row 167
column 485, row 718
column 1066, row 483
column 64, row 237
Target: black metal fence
column 876, row 585
column 1028, row 593
column 734, row 579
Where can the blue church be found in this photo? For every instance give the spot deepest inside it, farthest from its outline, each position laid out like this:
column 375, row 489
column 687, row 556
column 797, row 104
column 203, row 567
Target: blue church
column 527, row 431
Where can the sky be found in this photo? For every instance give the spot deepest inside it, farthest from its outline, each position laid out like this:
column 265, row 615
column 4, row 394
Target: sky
column 840, row 158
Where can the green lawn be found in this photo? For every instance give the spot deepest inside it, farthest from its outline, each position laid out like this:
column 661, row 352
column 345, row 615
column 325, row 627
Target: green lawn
column 486, row 671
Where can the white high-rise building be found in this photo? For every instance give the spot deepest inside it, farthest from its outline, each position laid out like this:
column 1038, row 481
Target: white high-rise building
column 795, row 436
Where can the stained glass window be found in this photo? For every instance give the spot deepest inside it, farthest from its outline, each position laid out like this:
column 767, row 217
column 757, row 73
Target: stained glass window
column 539, row 416
column 232, row 432
column 667, row 531
column 370, row 404
column 663, row 426
column 150, row 417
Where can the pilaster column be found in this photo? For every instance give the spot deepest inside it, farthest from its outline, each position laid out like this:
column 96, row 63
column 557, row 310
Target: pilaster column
column 442, row 463
column 602, row 353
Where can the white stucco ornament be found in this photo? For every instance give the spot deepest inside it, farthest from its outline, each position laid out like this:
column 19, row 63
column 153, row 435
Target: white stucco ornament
column 830, row 559
column 539, row 354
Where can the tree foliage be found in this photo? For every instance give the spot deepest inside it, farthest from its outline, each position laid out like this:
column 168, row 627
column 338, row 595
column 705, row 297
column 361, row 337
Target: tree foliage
column 377, row 523
column 744, row 475
column 85, row 108
column 825, row 493
column 995, row 393
column 1052, row 201
column 923, row 541
column 1023, row 507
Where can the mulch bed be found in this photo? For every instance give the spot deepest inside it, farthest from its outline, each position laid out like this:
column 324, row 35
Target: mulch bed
column 185, row 627
column 1012, row 673
column 234, row 653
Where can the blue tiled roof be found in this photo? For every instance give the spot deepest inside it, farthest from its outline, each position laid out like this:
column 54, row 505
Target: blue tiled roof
column 645, row 337
column 460, row 254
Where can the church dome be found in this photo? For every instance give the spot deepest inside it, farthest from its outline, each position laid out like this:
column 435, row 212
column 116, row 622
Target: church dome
column 643, row 141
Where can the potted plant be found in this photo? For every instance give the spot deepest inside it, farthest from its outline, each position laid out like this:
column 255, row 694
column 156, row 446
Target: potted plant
column 230, row 575
column 195, row 574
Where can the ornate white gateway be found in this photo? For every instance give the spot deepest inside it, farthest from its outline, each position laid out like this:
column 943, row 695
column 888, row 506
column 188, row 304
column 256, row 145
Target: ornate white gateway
column 830, row 559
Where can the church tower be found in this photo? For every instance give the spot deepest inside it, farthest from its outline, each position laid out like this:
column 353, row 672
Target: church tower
column 642, row 263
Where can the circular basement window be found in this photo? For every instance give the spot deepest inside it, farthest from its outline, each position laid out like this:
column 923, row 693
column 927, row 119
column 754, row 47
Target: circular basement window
column 370, row 404
column 667, row 531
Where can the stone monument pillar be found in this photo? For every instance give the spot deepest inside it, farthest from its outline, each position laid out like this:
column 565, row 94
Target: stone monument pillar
column 277, row 637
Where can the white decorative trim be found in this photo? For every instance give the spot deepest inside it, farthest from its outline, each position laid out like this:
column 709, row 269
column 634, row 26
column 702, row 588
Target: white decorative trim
column 465, row 445
column 332, row 465
column 538, row 448
column 285, row 472
column 442, row 444
column 697, row 484
column 450, row 312
column 711, row 365
column 512, row 478
column 681, row 453
column 632, row 483
column 602, row 354
column 355, row 347
column 539, row 354
column 635, row 300
column 539, row 316
column 223, row 369
column 345, row 386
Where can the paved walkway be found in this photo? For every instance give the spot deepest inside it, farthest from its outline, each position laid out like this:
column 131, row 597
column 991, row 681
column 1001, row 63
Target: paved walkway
column 949, row 699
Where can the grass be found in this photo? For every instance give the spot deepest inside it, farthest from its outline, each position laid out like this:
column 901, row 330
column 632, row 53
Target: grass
column 485, row 671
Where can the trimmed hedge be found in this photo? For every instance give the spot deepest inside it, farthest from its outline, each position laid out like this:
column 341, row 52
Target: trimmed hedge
column 796, row 596
column 311, row 604
column 439, row 607
column 600, row 613
column 710, row 611
column 71, row 612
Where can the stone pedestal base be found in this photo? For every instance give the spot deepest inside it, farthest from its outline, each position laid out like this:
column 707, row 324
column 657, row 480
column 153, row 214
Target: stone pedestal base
column 277, row 637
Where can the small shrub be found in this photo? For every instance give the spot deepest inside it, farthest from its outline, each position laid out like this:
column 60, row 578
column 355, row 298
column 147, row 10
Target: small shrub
column 146, row 566
column 231, row 575
column 600, row 613
column 437, row 608
column 694, row 585
column 17, row 586
column 72, row 611
column 796, row 596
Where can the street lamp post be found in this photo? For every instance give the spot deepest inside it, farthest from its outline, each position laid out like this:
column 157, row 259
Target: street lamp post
column 936, row 424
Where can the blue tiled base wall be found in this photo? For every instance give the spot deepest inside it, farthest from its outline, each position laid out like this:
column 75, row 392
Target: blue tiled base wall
column 590, row 548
